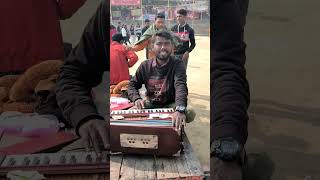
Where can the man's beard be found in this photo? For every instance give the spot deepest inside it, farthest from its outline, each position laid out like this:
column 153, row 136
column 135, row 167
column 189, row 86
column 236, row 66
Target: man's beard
column 163, row 56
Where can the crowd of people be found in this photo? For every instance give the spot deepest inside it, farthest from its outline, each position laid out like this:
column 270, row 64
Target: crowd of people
column 182, row 33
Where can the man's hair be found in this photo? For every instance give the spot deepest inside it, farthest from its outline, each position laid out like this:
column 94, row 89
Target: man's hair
column 117, row 37
column 182, row 12
column 146, row 20
column 163, row 33
column 160, row 15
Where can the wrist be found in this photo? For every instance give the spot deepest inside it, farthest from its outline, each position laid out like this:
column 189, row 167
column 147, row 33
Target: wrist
column 227, row 149
column 181, row 109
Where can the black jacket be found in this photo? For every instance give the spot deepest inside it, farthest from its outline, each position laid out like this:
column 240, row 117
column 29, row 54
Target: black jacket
column 229, row 87
column 83, row 69
column 186, row 45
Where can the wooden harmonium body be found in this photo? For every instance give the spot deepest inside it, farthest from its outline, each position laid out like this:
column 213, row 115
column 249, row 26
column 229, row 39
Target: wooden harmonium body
column 56, row 163
column 145, row 131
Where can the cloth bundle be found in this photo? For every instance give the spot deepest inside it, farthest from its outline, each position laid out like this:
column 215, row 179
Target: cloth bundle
column 22, row 92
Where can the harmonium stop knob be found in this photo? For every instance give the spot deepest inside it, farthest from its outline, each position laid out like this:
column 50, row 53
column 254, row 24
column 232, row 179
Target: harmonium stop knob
column 36, row 161
column 26, row 161
column 73, row 159
column 63, row 159
column 11, row 162
column 89, row 158
column 46, row 160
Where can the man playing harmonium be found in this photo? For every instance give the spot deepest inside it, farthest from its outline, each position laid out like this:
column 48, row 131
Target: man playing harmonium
column 165, row 80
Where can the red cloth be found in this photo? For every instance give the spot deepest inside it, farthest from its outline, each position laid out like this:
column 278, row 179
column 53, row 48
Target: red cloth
column 30, row 31
column 120, row 62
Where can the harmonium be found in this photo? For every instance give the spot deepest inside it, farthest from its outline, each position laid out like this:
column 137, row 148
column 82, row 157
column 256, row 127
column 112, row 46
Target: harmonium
column 56, row 163
column 145, row 131
column 37, row 155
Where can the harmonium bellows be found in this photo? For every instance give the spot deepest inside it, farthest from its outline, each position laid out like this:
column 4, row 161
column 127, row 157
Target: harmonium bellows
column 56, row 163
column 145, row 131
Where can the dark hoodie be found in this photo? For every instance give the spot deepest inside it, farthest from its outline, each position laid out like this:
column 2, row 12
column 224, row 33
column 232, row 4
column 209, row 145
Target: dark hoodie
column 186, row 34
column 229, row 87
column 83, row 69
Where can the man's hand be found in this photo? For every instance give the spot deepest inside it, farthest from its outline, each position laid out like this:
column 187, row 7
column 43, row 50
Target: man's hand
column 179, row 119
column 92, row 131
column 139, row 103
column 185, row 56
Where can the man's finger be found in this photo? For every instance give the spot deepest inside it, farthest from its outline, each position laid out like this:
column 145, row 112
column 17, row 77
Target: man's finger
column 86, row 141
column 94, row 139
column 104, row 135
column 177, row 123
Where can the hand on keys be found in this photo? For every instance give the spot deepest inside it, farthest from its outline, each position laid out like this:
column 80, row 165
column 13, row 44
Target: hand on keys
column 179, row 119
column 92, row 132
column 139, row 103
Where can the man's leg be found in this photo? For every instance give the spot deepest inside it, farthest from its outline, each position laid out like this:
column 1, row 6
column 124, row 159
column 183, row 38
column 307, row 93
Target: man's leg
column 232, row 9
column 186, row 62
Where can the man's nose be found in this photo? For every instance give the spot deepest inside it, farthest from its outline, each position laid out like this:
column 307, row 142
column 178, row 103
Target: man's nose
column 163, row 47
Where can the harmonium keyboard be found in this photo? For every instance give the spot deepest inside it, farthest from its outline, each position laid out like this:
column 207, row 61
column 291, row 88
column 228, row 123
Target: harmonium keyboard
column 145, row 131
column 56, row 163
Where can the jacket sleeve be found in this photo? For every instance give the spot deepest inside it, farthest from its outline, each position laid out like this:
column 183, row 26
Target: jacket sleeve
column 229, row 86
column 180, row 84
column 135, row 84
column 67, row 8
column 141, row 46
column 192, row 41
column 82, row 70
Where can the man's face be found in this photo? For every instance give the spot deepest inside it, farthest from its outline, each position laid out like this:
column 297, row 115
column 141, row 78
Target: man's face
column 181, row 19
column 159, row 23
column 147, row 23
column 162, row 48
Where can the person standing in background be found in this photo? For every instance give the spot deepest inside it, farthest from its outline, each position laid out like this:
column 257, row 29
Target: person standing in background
column 144, row 42
column 124, row 34
column 186, row 34
column 138, row 31
column 146, row 26
column 31, row 32
column 119, row 27
column 132, row 34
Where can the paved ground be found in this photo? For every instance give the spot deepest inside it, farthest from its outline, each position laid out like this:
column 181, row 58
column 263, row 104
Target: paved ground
column 283, row 65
